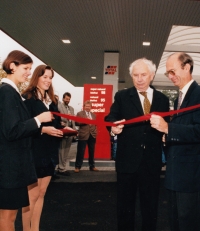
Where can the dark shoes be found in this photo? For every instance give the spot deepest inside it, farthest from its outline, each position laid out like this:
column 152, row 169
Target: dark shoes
column 77, row 170
column 94, row 169
column 65, row 173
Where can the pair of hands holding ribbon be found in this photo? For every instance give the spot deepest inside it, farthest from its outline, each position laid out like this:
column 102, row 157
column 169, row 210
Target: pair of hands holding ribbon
column 156, row 121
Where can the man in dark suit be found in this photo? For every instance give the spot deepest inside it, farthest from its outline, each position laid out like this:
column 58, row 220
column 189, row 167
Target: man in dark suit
column 139, row 148
column 183, row 147
column 86, row 136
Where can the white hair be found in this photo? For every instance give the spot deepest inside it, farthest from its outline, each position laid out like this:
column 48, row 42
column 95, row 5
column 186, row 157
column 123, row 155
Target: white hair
column 151, row 66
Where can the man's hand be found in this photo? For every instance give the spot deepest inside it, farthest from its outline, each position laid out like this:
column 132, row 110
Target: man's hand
column 117, row 129
column 159, row 123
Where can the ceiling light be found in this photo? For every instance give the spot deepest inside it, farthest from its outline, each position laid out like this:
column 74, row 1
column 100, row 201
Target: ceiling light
column 93, row 77
column 146, row 43
column 66, row 41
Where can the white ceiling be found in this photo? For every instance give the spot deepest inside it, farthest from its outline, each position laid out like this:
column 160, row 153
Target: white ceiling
column 181, row 39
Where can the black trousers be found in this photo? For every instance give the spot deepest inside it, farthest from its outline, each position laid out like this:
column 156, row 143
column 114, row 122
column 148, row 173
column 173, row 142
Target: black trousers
column 184, row 211
column 81, row 150
column 127, row 185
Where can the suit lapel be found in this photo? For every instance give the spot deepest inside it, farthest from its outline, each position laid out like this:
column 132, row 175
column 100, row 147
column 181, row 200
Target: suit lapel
column 155, row 101
column 187, row 96
column 20, row 99
column 70, row 109
column 83, row 114
column 136, row 100
column 22, row 104
column 185, row 100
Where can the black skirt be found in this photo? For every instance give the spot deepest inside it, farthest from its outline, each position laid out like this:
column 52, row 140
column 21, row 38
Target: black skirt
column 45, row 171
column 13, row 199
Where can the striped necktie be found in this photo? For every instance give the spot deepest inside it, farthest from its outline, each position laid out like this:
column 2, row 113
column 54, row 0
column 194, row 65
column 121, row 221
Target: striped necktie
column 88, row 115
column 179, row 99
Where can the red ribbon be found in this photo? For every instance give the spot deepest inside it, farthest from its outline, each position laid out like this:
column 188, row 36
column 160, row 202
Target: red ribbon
column 134, row 120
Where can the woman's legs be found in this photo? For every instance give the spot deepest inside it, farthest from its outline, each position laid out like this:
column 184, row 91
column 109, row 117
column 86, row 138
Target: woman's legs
column 42, row 185
column 33, row 193
column 7, row 219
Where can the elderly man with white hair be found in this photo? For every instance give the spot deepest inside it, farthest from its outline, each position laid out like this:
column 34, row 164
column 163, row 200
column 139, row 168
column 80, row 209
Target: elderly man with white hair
column 139, row 147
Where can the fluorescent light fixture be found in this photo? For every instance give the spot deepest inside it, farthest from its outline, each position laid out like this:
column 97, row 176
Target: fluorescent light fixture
column 93, row 77
column 66, row 41
column 146, row 43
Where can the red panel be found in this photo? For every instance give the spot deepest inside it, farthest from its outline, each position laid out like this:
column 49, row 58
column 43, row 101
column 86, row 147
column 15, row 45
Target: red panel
column 101, row 97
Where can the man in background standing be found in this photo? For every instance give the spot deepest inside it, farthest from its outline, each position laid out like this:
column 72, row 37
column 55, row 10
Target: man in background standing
column 86, row 136
column 66, row 142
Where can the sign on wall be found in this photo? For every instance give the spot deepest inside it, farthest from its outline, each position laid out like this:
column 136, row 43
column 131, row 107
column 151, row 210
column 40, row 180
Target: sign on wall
column 101, row 97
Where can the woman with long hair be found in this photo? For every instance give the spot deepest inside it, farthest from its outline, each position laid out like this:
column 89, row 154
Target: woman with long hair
column 16, row 128
column 40, row 97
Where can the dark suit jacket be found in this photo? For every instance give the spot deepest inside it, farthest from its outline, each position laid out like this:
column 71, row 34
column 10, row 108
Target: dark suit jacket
column 137, row 139
column 85, row 129
column 183, row 146
column 44, row 147
column 16, row 127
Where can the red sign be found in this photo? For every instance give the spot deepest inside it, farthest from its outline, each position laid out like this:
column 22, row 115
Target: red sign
column 101, row 97
column 110, row 70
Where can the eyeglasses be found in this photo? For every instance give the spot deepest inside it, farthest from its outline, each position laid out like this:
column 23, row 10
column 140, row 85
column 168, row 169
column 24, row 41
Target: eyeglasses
column 170, row 72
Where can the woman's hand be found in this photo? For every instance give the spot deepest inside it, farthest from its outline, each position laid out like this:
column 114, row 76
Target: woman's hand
column 45, row 117
column 68, row 128
column 52, row 131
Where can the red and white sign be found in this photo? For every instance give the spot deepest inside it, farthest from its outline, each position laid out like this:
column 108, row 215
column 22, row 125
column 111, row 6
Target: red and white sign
column 101, row 97
column 110, row 70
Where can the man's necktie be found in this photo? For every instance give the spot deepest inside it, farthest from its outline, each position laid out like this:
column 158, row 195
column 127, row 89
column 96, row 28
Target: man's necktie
column 88, row 115
column 146, row 103
column 179, row 99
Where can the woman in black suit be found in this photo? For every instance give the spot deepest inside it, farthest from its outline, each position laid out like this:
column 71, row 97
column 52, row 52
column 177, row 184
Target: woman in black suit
column 40, row 98
column 16, row 127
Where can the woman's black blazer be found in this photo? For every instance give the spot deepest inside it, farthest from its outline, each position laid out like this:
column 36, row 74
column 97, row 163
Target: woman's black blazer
column 16, row 128
column 44, row 147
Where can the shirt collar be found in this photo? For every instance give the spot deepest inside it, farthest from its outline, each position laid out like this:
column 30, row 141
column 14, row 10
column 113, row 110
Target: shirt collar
column 186, row 87
column 149, row 91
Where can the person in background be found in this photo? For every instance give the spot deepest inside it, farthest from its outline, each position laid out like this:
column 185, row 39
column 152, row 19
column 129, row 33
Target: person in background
column 182, row 177
column 86, row 136
column 66, row 142
column 16, row 128
column 139, row 152
column 40, row 98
